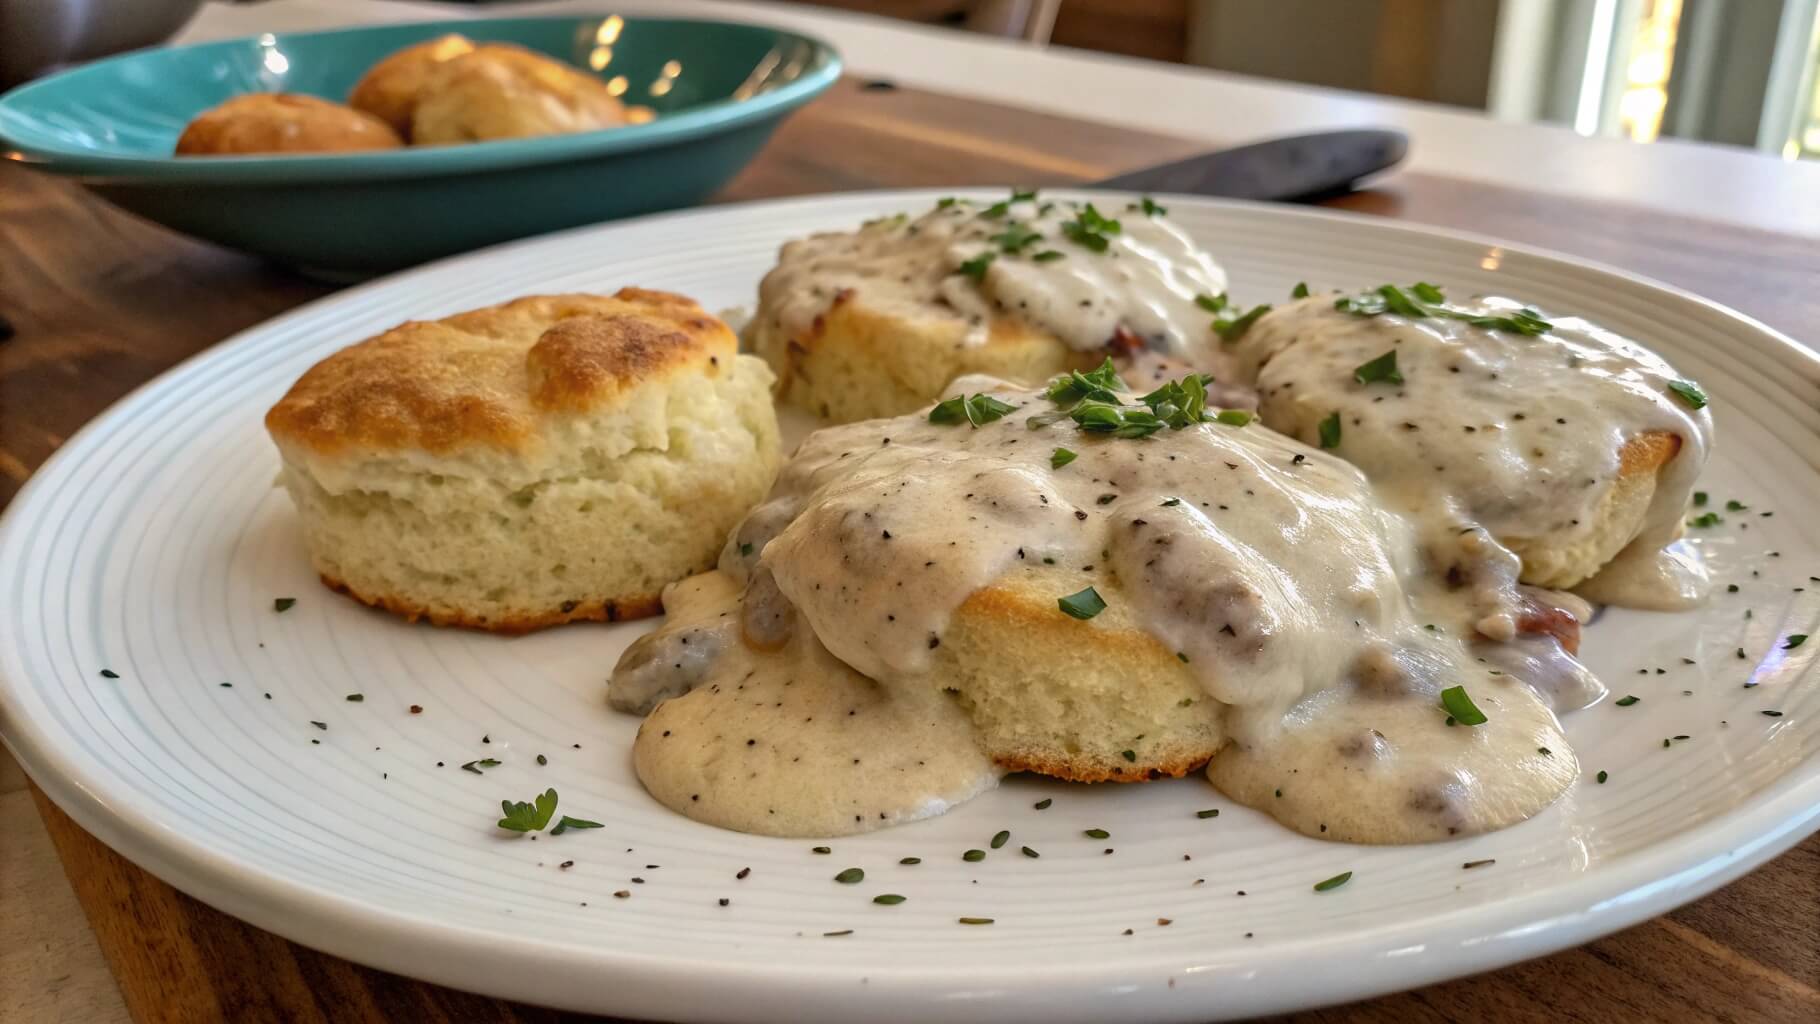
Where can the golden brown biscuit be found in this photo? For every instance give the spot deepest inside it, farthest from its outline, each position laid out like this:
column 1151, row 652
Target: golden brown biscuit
column 858, row 361
column 1065, row 698
column 552, row 459
column 507, row 92
column 282, row 122
column 391, row 88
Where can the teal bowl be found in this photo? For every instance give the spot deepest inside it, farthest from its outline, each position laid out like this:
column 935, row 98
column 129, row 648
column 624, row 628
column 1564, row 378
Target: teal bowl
column 719, row 88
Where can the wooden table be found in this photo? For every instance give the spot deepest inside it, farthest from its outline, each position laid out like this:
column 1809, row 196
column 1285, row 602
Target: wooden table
column 99, row 302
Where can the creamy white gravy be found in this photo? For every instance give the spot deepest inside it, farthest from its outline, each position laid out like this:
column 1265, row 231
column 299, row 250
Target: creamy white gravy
column 1518, row 435
column 786, row 742
column 1144, row 282
column 1294, row 598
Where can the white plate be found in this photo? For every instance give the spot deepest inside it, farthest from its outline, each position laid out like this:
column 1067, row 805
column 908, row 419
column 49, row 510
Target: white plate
column 153, row 545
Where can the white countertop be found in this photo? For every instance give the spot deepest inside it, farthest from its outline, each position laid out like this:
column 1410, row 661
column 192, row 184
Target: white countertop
column 1719, row 183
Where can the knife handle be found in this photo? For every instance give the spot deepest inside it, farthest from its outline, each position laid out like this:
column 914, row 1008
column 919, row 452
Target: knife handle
column 1299, row 167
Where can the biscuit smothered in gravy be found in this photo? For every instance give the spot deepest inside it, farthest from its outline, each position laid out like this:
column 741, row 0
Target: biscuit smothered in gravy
column 1532, row 447
column 877, row 321
column 549, row 459
column 1098, row 586
column 279, row 122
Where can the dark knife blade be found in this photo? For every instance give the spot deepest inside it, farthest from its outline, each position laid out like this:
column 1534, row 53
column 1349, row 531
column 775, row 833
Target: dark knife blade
column 1300, row 167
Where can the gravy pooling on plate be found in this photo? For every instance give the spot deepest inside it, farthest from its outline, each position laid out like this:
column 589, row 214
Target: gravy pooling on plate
column 1575, row 448
column 1061, row 265
column 799, row 689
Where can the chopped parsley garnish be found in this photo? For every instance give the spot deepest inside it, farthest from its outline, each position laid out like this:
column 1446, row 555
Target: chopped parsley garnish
column 475, row 766
column 1231, row 330
column 1422, row 301
column 352, row 698
column 1300, row 291
column 1103, row 384
column 1461, row 707
column 820, row 849
column 567, row 823
column 1097, row 833
column 1706, row 520
column 1700, row 499
column 1094, row 401
column 1736, row 506
column 528, row 817
column 283, row 604
column 1015, row 238
column 1028, row 852
column 1211, row 303
column 889, row 899
column 1100, row 417
column 1048, row 255
column 1627, row 700
column 1794, row 640
column 1084, row 604
column 1333, row 883
column 745, row 549
column 975, row 268
column 1689, row 392
column 851, row 876
column 1000, row 838
column 977, row 410
column 910, row 860
column 1090, row 229
column 999, row 209
column 1180, row 403
column 1383, row 368
column 1060, row 457
column 108, row 673
column 1151, row 208
column 1043, row 804
column 1211, row 812
column 1602, row 776
column 1129, row 755
column 946, row 201
column 973, row 855
column 982, row 409
column 1330, row 431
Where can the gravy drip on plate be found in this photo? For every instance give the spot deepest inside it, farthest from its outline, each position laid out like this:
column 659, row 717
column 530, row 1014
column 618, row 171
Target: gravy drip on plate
column 1012, row 260
column 1496, row 442
column 1270, row 569
column 787, row 741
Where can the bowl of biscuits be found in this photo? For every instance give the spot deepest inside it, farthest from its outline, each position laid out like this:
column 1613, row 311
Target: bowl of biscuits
column 354, row 152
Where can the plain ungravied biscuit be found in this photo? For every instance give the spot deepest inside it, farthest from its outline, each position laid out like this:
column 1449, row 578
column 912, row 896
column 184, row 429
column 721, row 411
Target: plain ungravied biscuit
column 551, row 459
column 391, row 88
column 282, row 122
column 498, row 91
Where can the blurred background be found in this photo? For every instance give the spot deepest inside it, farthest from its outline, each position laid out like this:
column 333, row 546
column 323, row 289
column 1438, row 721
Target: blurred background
column 1740, row 72
column 1737, row 72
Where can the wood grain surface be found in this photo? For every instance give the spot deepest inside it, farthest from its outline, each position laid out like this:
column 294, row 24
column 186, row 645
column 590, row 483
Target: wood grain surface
column 98, row 302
